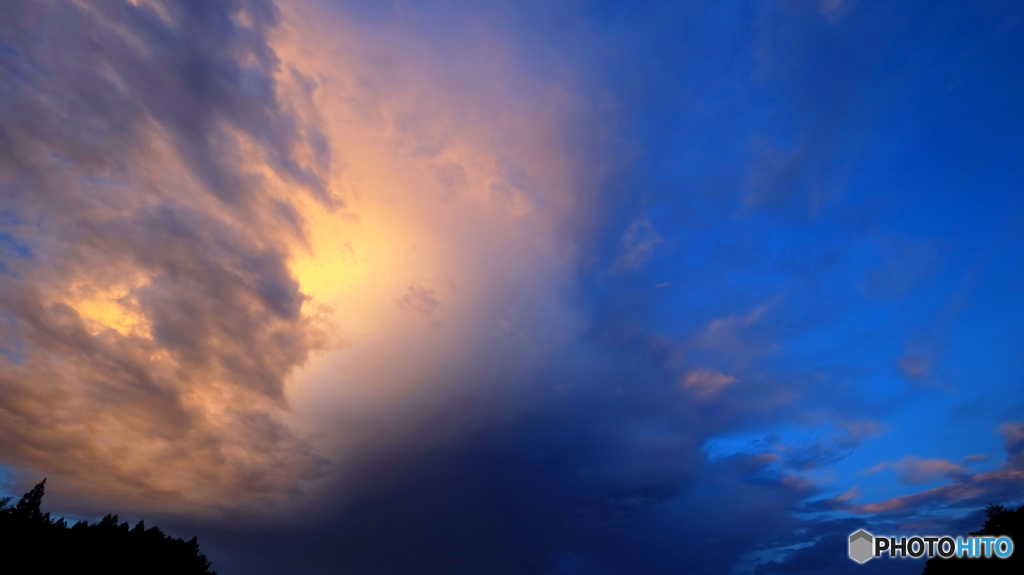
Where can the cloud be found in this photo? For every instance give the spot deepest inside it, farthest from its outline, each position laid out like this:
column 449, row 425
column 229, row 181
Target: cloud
column 907, row 264
column 1014, row 434
column 337, row 260
column 638, row 241
column 548, row 493
column 915, row 366
column 707, row 382
column 208, row 197
column 419, row 299
column 144, row 148
column 912, row 470
column 820, row 453
column 965, row 491
column 802, row 453
column 835, row 10
column 828, row 554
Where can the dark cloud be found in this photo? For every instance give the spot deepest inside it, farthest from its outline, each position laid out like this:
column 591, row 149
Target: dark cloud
column 149, row 320
column 828, row 554
column 965, row 490
column 819, row 453
column 150, row 315
column 581, row 485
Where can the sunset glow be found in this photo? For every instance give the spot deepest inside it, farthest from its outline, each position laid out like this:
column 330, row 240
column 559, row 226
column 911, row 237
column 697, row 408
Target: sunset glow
column 514, row 287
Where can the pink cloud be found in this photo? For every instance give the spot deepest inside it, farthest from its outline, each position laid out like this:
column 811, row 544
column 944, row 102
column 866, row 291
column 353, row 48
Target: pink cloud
column 965, row 489
column 912, row 470
column 707, row 382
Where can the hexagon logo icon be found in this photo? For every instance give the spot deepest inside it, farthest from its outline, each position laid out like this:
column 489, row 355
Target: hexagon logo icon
column 861, row 543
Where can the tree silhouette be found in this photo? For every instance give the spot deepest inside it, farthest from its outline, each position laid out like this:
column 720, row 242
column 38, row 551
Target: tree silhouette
column 38, row 544
column 1001, row 521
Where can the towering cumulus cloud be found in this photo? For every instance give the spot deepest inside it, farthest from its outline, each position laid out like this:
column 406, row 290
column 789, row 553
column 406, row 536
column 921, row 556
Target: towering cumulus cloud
column 514, row 286
column 200, row 195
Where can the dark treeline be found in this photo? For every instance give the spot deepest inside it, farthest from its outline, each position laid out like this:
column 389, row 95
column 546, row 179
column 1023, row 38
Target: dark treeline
column 1001, row 521
column 45, row 545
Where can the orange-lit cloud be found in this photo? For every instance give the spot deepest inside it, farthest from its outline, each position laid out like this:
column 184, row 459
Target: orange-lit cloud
column 964, row 489
column 277, row 236
column 150, row 320
column 707, row 382
column 914, row 470
column 450, row 247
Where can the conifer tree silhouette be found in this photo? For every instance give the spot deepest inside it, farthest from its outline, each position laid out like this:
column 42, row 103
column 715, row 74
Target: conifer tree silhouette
column 1001, row 521
column 49, row 546
column 29, row 507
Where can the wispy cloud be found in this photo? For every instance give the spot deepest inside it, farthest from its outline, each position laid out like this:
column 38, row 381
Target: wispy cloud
column 965, row 490
column 912, row 470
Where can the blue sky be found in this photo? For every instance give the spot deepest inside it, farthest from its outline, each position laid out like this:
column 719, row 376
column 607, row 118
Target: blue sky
column 515, row 287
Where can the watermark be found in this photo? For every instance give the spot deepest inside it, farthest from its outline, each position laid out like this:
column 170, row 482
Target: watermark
column 865, row 546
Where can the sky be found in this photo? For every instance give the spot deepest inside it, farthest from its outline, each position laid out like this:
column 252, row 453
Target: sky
column 514, row 287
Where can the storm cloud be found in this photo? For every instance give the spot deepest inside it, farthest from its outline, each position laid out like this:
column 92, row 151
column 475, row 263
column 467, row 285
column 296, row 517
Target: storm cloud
column 512, row 287
column 150, row 317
